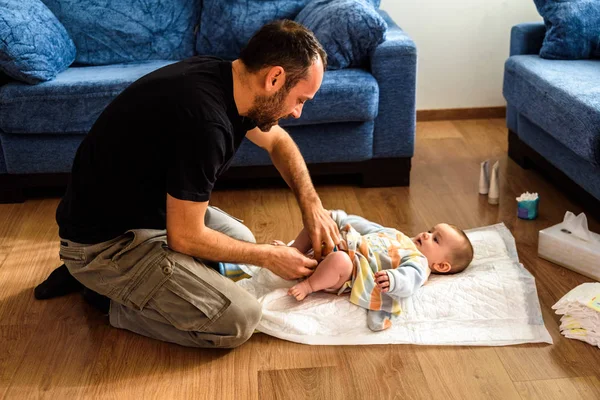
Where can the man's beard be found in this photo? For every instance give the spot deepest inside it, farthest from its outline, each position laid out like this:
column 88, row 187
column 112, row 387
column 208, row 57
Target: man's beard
column 266, row 110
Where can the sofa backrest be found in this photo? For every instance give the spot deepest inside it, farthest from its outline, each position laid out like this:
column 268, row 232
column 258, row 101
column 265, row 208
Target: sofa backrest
column 227, row 25
column 119, row 31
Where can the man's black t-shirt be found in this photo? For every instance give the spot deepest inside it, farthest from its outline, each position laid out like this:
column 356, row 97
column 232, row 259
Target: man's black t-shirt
column 173, row 131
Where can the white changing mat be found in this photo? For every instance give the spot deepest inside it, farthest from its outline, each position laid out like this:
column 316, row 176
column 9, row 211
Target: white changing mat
column 492, row 303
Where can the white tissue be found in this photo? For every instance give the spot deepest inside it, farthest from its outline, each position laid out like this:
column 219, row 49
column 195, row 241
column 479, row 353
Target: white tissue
column 580, row 310
column 527, row 197
column 577, row 226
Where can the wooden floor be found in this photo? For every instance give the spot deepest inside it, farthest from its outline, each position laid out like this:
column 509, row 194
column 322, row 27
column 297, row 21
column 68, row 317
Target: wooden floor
column 63, row 349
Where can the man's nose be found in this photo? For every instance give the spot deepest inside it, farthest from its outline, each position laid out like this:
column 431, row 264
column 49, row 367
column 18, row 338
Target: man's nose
column 297, row 111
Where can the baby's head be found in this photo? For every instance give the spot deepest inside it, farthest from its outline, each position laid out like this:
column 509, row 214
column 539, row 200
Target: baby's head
column 447, row 248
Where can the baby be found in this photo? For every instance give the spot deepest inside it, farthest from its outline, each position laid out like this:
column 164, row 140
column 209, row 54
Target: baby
column 379, row 265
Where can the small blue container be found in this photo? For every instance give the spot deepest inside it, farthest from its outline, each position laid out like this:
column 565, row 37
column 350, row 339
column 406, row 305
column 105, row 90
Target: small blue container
column 528, row 209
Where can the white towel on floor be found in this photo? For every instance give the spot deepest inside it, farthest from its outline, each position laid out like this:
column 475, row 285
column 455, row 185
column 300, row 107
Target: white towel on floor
column 492, row 303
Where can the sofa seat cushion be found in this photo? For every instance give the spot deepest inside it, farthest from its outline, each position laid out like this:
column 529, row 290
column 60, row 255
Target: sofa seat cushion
column 73, row 101
column 562, row 97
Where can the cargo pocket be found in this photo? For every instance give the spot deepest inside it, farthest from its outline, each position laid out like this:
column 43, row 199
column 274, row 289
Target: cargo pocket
column 188, row 302
column 145, row 279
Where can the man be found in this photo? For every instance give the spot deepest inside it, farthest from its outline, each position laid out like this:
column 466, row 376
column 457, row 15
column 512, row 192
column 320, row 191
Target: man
column 135, row 223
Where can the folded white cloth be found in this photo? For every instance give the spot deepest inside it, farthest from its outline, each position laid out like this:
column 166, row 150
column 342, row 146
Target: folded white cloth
column 492, row 303
column 580, row 310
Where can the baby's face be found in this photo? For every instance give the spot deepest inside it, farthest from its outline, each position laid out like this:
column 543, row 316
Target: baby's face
column 438, row 243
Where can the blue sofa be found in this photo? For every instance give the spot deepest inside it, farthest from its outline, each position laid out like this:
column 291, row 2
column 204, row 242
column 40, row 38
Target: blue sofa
column 361, row 122
column 553, row 115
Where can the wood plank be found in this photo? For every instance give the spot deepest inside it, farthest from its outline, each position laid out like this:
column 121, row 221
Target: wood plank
column 385, row 372
column 579, row 388
column 32, row 256
column 152, row 369
column 466, row 373
column 302, row 383
column 276, row 354
column 14, row 340
column 438, row 130
column 11, row 218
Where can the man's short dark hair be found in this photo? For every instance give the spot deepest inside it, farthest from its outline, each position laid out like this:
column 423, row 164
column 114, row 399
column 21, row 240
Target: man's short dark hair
column 287, row 44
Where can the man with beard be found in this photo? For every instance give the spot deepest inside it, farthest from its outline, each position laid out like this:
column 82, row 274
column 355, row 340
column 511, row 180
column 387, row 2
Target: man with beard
column 138, row 236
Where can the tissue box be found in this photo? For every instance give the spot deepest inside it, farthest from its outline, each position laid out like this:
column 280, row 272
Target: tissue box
column 571, row 252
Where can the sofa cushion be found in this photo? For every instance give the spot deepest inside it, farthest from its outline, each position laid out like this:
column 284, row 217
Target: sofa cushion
column 345, row 95
column 572, row 29
column 117, row 31
column 349, row 30
column 562, row 97
column 316, row 144
column 73, row 101
column 35, row 46
column 227, row 25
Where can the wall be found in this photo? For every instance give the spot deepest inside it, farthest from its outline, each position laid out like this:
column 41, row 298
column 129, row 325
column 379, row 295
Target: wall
column 462, row 46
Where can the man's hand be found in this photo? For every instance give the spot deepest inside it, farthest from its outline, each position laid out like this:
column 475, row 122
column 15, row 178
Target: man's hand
column 322, row 230
column 289, row 263
column 383, row 281
column 289, row 162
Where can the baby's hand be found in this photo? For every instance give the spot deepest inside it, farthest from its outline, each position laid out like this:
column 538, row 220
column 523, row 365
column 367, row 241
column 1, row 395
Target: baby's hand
column 278, row 243
column 383, row 281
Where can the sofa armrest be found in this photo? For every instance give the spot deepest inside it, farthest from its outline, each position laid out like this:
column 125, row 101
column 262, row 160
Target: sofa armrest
column 394, row 65
column 527, row 38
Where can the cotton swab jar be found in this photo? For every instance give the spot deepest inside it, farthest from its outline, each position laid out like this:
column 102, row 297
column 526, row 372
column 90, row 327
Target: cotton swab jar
column 527, row 205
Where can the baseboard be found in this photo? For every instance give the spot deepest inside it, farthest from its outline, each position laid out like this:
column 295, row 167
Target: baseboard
column 461, row 113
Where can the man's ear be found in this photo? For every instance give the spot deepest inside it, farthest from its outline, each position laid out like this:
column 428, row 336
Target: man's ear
column 443, row 267
column 275, row 79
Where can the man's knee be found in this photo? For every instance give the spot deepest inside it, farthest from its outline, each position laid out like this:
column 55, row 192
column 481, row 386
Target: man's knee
column 242, row 232
column 218, row 220
column 239, row 322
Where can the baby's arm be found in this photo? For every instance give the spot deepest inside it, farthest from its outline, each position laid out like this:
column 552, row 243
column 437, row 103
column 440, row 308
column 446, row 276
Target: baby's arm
column 402, row 281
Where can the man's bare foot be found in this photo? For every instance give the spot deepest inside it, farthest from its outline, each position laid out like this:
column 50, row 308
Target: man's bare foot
column 300, row 290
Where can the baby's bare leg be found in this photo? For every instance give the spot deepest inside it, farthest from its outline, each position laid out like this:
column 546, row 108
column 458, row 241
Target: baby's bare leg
column 331, row 273
column 302, row 242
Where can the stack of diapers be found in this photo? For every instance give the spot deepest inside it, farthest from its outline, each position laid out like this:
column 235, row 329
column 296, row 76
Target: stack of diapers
column 580, row 310
column 492, row 303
